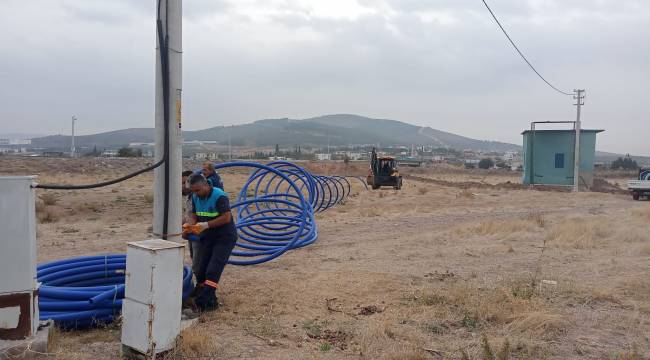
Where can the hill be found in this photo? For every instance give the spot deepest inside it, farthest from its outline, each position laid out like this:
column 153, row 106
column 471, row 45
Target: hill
column 318, row 131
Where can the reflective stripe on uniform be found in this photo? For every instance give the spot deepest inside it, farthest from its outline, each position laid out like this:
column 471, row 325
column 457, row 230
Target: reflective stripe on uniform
column 207, row 214
column 211, row 283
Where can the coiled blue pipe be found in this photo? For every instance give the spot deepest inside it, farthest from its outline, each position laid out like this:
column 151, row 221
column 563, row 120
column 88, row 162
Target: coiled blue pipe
column 275, row 209
column 86, row 291
column 274, row 213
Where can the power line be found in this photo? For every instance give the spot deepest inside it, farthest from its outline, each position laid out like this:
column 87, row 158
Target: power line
column 521, row 54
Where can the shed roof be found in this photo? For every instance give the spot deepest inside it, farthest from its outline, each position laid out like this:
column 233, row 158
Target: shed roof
column 564, row 131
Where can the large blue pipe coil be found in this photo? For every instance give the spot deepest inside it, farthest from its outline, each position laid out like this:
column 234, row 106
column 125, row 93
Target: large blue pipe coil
column 274, row 210
column 274, row 213
column 86, row 291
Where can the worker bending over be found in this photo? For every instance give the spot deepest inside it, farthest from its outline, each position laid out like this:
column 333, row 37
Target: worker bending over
column 187, row 215
column 212, row 220
column 211, row 175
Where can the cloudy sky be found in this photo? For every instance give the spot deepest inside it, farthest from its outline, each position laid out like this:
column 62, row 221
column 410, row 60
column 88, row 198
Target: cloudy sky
column 438, row 63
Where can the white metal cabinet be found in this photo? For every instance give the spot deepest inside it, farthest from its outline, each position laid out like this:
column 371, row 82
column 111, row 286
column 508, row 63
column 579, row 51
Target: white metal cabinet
column 151, row 308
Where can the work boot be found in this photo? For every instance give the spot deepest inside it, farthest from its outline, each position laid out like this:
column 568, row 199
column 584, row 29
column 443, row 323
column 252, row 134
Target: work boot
column 197, row 290
column 207, row 299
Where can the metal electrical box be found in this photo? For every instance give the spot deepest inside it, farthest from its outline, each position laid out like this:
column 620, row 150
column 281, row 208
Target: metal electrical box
column 18, row 287
column 151, row 310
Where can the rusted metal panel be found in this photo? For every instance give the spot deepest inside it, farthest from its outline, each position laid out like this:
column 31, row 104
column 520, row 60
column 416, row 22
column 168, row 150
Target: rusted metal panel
column 22, row 304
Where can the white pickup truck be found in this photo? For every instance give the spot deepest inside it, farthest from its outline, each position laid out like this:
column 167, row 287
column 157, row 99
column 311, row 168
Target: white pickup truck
column 640, row 187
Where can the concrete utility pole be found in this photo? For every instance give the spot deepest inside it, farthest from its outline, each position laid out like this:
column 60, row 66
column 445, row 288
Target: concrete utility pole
column 72, row 148
column 328, row 147
column 230, row 143
column 169, row 180
column 579, row 96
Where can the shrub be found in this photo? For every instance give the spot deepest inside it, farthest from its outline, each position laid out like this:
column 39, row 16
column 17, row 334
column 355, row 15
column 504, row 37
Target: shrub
column 50, row 198
column 486, row 163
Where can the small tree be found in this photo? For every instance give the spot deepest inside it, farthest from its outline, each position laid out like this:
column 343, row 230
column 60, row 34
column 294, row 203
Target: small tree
column 128, row 152
column 624, row 163
column 486, row 163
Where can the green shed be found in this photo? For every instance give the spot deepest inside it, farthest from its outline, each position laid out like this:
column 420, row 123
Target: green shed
column 548, row 156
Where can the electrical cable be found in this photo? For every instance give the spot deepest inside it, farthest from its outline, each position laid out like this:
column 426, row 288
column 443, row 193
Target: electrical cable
column 101, row 184
column 520, row 53
column 163, row 44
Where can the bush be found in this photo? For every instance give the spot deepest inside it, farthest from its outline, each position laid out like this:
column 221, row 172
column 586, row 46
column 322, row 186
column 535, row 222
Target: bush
column 50, row 198
column 486, row 163
column 128, row 152
column 624, row 163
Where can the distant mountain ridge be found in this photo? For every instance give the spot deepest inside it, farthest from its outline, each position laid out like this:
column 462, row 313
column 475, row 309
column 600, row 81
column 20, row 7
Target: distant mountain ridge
column 340, row 129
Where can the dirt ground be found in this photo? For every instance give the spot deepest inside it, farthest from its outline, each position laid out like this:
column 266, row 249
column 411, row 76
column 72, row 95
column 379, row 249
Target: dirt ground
column 429, row 272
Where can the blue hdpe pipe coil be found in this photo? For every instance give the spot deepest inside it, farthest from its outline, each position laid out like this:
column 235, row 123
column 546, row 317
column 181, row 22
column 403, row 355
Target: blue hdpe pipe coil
column 86, row 291
column 274, row 210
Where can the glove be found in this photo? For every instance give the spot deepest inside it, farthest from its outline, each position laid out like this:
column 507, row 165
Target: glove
column 202, row 226
column 192, row 229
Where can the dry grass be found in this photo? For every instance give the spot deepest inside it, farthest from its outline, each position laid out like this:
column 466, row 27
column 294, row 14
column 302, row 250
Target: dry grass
column 579, row 233
column 488, row 353
column 148, row 198
column 194, row 341
column 631, row 354
column 65, row 345
column 48, row 215
column 49, row 198
column 377, row 340
column 537, row 218
column 642, row 213
column 493, row 227
column 541, row 324
column 89, row 206
column 466, row 194
column 477, row 307
column 371, row 211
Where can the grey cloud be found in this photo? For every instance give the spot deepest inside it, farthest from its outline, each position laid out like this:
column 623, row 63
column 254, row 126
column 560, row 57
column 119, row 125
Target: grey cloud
column 96, row 60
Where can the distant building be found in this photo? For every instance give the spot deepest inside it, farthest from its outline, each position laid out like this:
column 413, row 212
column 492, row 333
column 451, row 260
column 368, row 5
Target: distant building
column 53, row 153
column 280, row 158
column 5, row 142
column 510, row 155
column 109, row 153
column 322, row 156
column 549, row 156
column 13, row 150
column 206, row 156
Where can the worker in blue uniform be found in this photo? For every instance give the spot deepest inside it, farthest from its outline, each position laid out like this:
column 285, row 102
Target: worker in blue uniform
column 212, row 220
column 211, row 175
